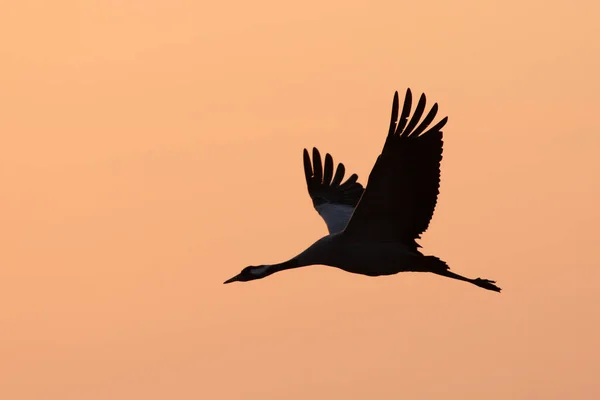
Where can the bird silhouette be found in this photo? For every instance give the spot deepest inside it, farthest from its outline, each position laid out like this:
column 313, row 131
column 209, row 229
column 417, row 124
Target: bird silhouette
column 373, row 230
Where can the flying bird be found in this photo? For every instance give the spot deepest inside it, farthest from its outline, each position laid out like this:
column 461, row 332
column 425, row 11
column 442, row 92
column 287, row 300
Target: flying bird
column 373, row 230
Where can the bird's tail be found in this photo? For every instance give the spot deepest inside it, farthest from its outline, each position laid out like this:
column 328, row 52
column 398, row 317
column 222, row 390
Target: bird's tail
column 434, row 264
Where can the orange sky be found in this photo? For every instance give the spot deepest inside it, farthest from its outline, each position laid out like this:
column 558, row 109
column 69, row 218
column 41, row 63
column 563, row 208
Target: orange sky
column 152, row 149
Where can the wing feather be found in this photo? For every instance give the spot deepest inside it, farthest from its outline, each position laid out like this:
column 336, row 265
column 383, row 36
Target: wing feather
column 333, row 200
column 402, row 189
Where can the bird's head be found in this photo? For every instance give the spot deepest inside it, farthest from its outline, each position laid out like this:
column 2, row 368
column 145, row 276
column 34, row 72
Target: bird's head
column 250, row 273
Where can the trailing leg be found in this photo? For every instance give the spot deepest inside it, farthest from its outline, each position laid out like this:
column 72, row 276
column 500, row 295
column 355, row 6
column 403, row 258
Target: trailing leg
column 482, row 283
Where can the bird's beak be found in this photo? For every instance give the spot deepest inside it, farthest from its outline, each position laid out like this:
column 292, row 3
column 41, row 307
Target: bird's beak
column 234, row 279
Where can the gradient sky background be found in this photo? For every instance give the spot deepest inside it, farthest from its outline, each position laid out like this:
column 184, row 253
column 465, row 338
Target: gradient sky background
column 152, row 149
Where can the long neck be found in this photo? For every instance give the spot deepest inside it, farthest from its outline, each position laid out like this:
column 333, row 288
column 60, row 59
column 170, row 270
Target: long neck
column 266, row 270
column 315, row 254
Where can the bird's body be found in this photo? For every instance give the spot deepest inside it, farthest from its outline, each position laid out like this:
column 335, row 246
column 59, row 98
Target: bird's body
column 372, row 258
column 373, row 231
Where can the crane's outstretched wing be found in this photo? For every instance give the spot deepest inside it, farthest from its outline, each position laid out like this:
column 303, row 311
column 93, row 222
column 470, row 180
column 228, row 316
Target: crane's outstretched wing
column 333, row 200
column 403, row 186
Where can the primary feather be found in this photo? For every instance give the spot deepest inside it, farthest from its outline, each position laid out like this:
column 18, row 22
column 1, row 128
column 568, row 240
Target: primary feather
column 333, row 200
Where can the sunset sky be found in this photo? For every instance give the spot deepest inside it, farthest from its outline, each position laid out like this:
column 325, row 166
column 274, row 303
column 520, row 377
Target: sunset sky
column 152, row 149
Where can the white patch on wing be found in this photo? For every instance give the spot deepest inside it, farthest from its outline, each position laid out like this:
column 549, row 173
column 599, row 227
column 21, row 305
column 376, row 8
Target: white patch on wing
column 336, row 216
column 258, row 271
